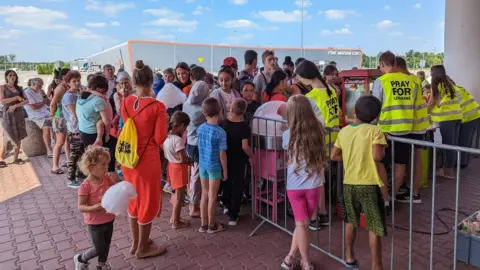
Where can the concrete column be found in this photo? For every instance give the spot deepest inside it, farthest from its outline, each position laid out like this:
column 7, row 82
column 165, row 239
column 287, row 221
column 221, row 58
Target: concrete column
column 462, row 43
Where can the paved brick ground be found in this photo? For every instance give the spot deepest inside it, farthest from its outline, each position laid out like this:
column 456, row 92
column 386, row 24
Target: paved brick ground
column 41, row 228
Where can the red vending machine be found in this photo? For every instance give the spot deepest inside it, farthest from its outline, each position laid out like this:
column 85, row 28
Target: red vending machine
column 355, row 83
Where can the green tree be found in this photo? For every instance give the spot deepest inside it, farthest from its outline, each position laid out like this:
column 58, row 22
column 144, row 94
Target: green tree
column 12, row 57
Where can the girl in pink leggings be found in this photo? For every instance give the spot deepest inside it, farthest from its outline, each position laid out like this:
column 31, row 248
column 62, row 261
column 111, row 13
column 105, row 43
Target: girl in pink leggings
column 304, row 142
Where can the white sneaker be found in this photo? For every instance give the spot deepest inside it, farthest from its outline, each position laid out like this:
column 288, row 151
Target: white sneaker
column 225, row 210
column 233, row 222
column 79, row 265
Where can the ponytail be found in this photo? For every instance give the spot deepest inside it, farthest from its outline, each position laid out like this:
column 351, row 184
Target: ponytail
column 329, row 91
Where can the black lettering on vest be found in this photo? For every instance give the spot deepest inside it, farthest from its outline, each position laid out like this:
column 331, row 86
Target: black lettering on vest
column 401, row 90
column 332, row 104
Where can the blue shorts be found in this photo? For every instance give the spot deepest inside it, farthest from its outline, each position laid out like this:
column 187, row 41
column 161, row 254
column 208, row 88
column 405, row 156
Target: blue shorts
column 210, row 175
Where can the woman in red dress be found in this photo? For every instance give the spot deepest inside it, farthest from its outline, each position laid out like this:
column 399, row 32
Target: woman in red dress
column 150, row 117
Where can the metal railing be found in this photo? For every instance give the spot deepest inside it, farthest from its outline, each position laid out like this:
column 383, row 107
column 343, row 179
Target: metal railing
column 270, row 202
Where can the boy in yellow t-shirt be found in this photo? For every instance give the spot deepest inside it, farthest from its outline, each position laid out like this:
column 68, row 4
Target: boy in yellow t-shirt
column 361, row 146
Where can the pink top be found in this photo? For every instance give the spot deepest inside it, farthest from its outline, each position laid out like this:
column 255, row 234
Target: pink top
column 95, row 192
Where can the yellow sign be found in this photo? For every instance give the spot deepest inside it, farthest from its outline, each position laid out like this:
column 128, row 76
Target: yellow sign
column 200, row 60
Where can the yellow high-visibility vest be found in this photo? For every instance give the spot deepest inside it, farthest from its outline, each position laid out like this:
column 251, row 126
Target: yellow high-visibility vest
column 470, row 107
column 447, row 109
column 398, row 109
column 422, row 119
column 330, row 109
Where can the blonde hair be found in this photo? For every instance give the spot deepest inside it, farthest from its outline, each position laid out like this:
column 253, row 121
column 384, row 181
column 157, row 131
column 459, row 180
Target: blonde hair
column 307, row 139
column 92, row 156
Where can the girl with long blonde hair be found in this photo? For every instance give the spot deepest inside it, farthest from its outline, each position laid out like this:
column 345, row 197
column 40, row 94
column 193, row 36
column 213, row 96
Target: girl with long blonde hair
column 304, row 142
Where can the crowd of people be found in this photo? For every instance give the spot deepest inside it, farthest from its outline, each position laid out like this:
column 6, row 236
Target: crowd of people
column 204, row 139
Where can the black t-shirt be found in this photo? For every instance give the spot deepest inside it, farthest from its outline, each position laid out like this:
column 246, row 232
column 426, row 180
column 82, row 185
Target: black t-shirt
column 236, row 133
column 250, row 112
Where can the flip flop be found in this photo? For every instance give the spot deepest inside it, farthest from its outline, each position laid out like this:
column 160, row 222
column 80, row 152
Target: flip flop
column 3, row 164
column 49, row 155
column 218, row 227
column 57, row 171
column 19, row 161
column 152, row 252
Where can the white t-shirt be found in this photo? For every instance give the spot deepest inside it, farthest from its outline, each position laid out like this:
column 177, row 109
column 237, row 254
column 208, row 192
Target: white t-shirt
column 171, row 146
column 229, row 98
column 35, row 97
column 300, row 180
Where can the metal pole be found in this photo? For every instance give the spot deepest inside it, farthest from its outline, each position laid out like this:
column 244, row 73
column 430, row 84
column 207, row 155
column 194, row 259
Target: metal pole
column 211, row 38
column 301, row 34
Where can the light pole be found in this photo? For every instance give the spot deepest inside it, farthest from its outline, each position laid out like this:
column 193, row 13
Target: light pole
column 211, row 36
column 301, row 33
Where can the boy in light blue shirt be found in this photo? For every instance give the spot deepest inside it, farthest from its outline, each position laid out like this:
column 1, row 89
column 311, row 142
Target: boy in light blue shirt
column 212, row 147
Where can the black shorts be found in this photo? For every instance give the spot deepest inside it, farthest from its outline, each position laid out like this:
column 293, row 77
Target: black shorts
column 402, row 150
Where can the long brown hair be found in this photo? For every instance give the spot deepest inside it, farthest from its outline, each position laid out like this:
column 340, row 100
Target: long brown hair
column 307, row 139
column 440, row 78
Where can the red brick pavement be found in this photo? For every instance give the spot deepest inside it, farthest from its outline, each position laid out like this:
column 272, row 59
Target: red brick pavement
column 41, row 228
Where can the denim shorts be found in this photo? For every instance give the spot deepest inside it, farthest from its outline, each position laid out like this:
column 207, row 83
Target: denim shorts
column 210, row 175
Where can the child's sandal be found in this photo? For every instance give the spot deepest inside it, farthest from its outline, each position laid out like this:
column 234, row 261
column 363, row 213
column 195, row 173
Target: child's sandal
column 353, row 265
column 288, row 263
column 203, row 229
column 218, row 227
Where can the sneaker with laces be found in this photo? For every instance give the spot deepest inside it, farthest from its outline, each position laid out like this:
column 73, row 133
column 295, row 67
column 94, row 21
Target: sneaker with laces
column 78, row 264
column 323, row 220
column 315, row 225
column 405, row 198
column 404, row 189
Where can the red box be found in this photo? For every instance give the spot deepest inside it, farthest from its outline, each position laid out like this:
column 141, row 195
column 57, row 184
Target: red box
column 363, row 221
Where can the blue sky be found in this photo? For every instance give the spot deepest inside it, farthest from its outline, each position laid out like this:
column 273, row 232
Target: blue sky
column 48, row 30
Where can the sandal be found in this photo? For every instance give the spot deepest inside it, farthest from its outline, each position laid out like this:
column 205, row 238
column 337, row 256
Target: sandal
column 288, row 263
column 19, row 161
column 3, row 164
column 180, row 225
column 49, row 155
column 203, row 229
column 218, row 227
column 353, row 264
column 65, row 165
column 57, row 171
column 308, row 266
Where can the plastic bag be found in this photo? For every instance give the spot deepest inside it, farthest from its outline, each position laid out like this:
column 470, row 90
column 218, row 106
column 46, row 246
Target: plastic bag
column 116, row 198
column 171, row 96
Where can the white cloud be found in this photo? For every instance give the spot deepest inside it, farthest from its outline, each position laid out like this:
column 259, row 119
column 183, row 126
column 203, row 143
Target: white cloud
column 385, row 24
column 238, row 24
column 336, row 14
column 157, row 34
column 236, row 39
column 170, row 18
column 238, row 2
column 306, row 3
column 110, row 8
column 33, row 17
column 395, row 34
column 199, row 10
column 387, row 7
column 85, row 34
column 164, row 12
column 115, row 23
column 283, row 16
column 417, row 6
column 9, row 34
column 95, row 24
column 342, row 31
